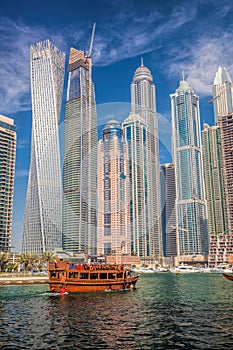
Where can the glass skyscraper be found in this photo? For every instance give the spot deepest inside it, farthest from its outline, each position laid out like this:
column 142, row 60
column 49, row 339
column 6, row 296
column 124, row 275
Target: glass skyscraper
column 191, row 215
column 43, row 211
column 7, row 175
column 80, row 158
column 135, row 133
column 220, row 245
column 113, row 192
column 143, row 103
column 168, row 199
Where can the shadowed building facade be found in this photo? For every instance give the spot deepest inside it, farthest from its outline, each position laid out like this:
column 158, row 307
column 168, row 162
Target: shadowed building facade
column 7, row 175
column 43, row 212
column 80, row 158
column 223, row 113
column 168, row 200
column 216, row 206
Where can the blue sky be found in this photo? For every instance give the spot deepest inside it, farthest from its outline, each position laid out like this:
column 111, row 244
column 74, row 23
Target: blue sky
column 194, row 35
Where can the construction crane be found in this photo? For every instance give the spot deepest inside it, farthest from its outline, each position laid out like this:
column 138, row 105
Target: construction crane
column 213, row 99
column 91, row 43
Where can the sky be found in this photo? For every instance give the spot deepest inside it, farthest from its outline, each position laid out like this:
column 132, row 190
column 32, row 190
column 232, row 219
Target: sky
column 194, row 36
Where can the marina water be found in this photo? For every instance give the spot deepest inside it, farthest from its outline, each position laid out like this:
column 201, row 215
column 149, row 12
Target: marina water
column 166, row 311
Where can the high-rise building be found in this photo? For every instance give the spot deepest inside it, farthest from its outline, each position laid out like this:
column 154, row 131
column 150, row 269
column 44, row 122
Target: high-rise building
column 220, row 245
column 135, row 133
column 143, row 103
column 7, row 175
column 191, row 214
column 43, row 211
column 80, row 158
column 168, row 199
column 223, row 112
column 113, row 193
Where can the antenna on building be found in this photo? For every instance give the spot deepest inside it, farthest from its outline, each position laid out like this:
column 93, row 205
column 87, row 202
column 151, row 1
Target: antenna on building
column 142, row 62
column 92, row 39
column 182, row 75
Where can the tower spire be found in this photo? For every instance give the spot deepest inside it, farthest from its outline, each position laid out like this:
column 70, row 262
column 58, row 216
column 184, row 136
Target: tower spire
column 182, row 75
column 142, row 62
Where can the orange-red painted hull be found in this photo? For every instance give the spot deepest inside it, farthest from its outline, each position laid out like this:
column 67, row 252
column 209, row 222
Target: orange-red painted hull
column 80, row 286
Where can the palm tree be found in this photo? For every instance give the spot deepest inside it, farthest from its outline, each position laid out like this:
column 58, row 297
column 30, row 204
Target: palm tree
column 28, row 260
column 48, row 256
column 4, row 259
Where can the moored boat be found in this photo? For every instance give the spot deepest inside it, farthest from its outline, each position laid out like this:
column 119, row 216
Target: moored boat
column 229, row 277
column 65, row 276
column 185, row 269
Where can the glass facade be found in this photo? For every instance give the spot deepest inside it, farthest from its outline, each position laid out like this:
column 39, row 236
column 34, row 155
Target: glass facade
column 216, row 206
column 168, row 198
column 43, row 211
column 113, row 192
column 143, row 103
column 191, row 216
column 80, row 158
column 135, row 130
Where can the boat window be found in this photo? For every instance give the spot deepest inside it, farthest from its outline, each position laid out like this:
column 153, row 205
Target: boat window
column 84, row 275
column 119, row 275
column 103, row 276
column 111, row 276
column 53, row 274
column 73, row 274
column 93, row 276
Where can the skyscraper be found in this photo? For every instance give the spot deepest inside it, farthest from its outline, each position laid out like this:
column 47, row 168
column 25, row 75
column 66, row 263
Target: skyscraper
column 43, row 211
column 135, row 133
column 223, row 112
column 220, row 245
column 191, row 217
column 80, row 158
column 143, row 103
column 113, row 192
column 7, row 175
column 168, row 199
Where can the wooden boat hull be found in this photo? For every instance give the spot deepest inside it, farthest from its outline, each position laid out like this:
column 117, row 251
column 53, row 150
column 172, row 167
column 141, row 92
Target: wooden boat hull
column 96, row 286
column 229, row 277
column 78, row 278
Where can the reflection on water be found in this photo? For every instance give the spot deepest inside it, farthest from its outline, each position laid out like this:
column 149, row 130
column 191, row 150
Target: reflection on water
column 166, row 311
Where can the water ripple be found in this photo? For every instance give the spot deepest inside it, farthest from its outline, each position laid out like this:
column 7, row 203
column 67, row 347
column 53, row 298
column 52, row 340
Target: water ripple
column 165, row 312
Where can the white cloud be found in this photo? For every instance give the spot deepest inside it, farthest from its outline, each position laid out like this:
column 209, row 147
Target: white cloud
column 16, row 39
column 22, row 143
column 201, row 60
column 22, row 173
column 128, row 33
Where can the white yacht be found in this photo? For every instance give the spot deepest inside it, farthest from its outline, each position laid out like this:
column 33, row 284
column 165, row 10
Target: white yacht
column 185, row 269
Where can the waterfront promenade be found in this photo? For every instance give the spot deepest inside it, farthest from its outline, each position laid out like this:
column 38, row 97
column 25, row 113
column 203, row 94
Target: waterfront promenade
column 21, row 279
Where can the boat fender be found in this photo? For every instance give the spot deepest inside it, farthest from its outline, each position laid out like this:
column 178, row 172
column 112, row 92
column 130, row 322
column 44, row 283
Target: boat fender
column 63, row 290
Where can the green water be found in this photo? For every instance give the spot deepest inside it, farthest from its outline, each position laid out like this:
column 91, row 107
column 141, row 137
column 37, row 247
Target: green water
column 166, row 311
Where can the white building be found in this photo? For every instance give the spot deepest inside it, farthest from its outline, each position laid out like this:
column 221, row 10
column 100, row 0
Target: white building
column 113, row 193
column 43, row 211
column 143, row 103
